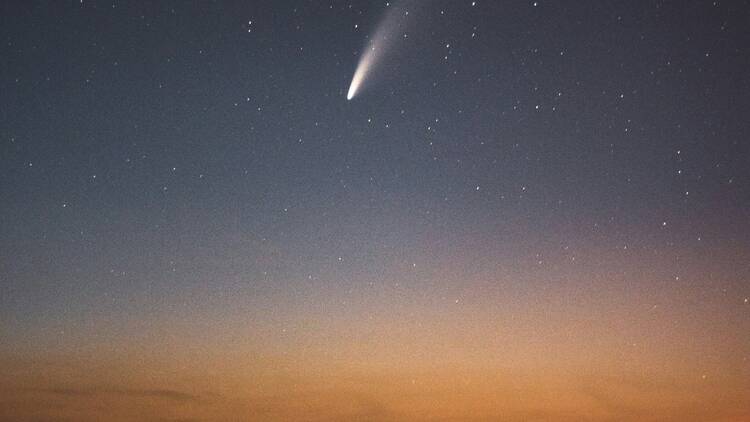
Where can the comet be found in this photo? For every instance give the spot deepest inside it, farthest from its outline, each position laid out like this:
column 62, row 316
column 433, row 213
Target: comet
column 390, row 29
column 363, row 68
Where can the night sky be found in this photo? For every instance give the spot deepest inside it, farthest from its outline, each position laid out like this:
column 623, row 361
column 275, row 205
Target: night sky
column 528, row 211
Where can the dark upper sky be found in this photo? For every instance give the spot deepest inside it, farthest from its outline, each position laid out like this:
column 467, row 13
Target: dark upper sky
column 196, row 164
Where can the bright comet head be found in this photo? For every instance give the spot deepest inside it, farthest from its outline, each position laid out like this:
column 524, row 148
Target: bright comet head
column 359, row 75
column 393, row 23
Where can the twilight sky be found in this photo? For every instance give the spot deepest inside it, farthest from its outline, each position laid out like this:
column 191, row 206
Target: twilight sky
column 529, row 211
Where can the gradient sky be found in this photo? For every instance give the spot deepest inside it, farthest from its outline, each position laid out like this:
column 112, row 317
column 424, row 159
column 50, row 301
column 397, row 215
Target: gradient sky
column 530, row 211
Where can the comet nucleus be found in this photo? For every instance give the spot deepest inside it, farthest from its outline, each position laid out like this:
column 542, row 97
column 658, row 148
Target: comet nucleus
column 390, row 28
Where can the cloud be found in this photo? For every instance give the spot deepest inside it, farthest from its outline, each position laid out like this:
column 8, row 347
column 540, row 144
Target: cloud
column 127, row 392
column 331, row 406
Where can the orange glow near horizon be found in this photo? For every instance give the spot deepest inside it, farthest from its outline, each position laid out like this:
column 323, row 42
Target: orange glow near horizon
column 493, row 355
